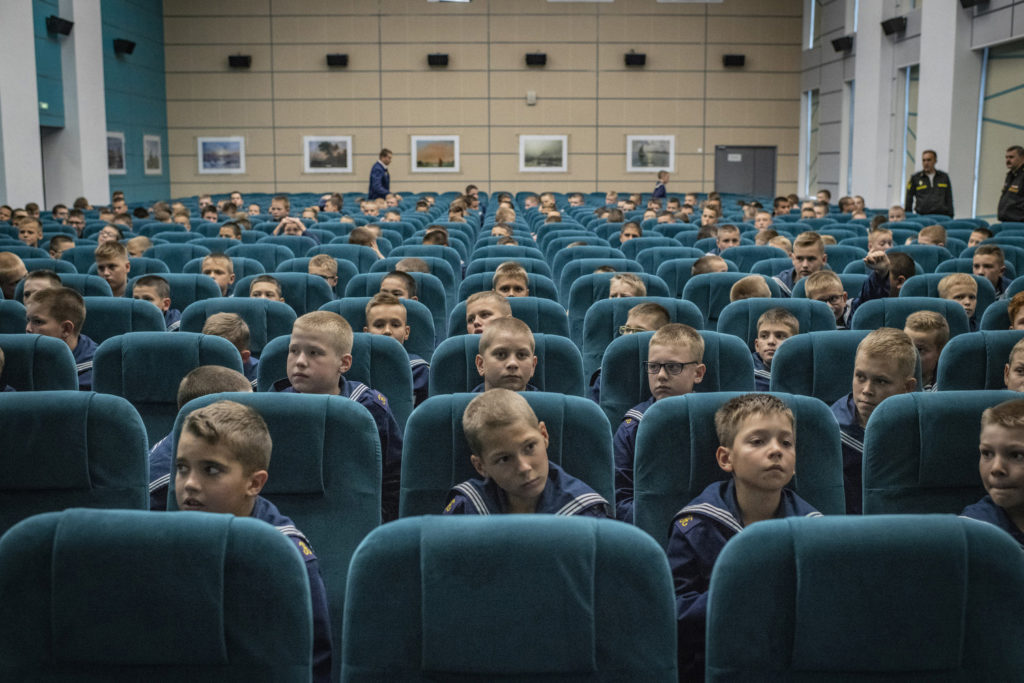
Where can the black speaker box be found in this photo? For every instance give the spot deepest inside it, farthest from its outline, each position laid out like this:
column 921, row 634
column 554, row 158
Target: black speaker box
column 437, row 59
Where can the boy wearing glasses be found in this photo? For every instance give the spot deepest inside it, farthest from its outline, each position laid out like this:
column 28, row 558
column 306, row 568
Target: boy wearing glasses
column 825, row 286
column 646, row 317
column 673, row 367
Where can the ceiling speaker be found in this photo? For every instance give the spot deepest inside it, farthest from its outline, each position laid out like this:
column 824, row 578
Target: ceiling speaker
column 240, row 61
column 123, row 46
column 55, row 24
column 894, row 25
column 844, row 44
column 337, row 60
column 734, row 60
column 536, row 59
column 636, row 59
column 437, row 59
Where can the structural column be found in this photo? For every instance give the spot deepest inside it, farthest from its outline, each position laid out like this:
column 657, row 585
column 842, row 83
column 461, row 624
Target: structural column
column 21, row 166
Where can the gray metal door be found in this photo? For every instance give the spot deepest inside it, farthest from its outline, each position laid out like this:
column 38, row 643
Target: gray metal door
column 745, row 170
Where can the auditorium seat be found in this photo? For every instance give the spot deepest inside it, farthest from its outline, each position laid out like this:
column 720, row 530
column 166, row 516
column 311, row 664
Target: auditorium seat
column 266, row 319
column 107, row 316
column 541, row 315
column 33, row 362
column 418, row 318
column 740, row 317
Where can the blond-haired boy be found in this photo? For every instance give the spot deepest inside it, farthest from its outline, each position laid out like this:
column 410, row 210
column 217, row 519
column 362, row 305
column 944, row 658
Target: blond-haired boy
column 113, row 265
column 775, row 326
column 386, row 315
column 506, row 356
column 509, row 451
column 827, row 287
column 626, row 285
column 929, row 331
column 511, row 280
column 749, row 287
column 1013, row 372
column 221, row 269
column 59, row 312
column 673, row 367
column 884, row 367
column 963, row 289
column 1002, row 470
column 808, row 257
column 482, row 308
column 233, row 327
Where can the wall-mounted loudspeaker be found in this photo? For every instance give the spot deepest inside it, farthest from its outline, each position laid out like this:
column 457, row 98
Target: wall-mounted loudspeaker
column 536, row 59
column 55, row 24
column 967, row 4
column 844, row 44
column 437, row 59
column 239, row 61
column 894, row 25
column 337, row 60
column 734, row 60
column 635, row 59
column 123, row 47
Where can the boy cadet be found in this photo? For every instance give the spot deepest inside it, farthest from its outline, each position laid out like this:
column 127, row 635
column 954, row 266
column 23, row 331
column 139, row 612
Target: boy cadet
column 155, row 290
column 808, row 257
column 221, row 466
column 233, row 327
column 709, row 263
column 59, row 244
column 113, row 265
column 673, row 367
column 1015, row 310
column 988, row 262
column 399, row 284
column 265, row 287
column 929, row 331
column 506, row 357
column 511, row 280
column 749, row 287
column 136, row 246
column 222, row 269
column 4, row 388
column 624, row 285
column 280, row 206
column 325, row 266
column 825, row 286
column 934, row 235
column 30, row 232
column 60, row 312
column 1013, row 372
column 884, row 366
column 509, row 451
column 979, row 235
column 645, row 317
column 230, row 231
column 319, row 355
column 757, row 437
column 963, row 289
column 482, row 308
column 386, row 315
column 1002, row 469
column 630, row 231
column 775, row 326
column 728, row 236
column 38, row 280
column 201, row 381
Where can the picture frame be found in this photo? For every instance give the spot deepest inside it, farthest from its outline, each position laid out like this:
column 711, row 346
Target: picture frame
column 434, row 153
column 650, row 153
column 543, row 153
column 152, row 157
column 221, row 154
column 116, row 153
column 327, row 154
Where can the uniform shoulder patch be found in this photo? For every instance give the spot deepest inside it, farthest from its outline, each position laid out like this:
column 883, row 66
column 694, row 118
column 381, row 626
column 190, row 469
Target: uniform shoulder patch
column 684, row 521
column 380, row 397
column 306, row 550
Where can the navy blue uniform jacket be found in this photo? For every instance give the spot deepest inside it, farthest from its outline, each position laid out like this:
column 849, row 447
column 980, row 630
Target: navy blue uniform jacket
column 986, row 510
column 563, row 494
column 624, row 448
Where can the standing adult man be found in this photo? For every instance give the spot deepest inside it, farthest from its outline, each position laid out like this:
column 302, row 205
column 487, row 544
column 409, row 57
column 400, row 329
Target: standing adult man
column 929, row 189
column 1011, row 201
column 380, row 180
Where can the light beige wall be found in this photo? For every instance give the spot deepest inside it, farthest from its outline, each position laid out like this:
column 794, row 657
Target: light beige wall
column 388, row 92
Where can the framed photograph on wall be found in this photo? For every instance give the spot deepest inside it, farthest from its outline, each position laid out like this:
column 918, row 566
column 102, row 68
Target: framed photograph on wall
column 435, row 153
column 544, row 153
column 646, row 153
column 221, row 155
column 115, row 153
column 327, row 153
column 152, row 160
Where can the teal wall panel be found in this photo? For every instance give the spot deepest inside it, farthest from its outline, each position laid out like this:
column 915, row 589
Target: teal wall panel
column 49, row 78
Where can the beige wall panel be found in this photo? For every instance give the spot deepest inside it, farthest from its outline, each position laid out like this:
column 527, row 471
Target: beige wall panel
column 212, row 58
column 781, row 8
column 339, row 30
column 645, row 83
column 507, row 166
column 694, row 11
column 549, row 113
column 568, row 57
column 650, row 112
column 235, row 8
column 546, row 83
column 786, row 139
column 247, row 28
column 742, row 29
column 553, row 31
column 661, row 59
column 398, row 140
column 753, row 86
column 647, row 29
column 432, row 9
column 762, row 58
column 324, row 7
column 192, row 189
column 434, row 84
column 257, row 140
column 396, row 29
column 506, row 140
column 289, row 140
column 754, row 113
column 612, row 140
column 340, row 85
column 413, row 57
column 361, row 58
column 543, row 8
column 333, row 113
column 217, row 86
column 448, row 114
column 231, row 114
column 257, row 169
column 787, row 168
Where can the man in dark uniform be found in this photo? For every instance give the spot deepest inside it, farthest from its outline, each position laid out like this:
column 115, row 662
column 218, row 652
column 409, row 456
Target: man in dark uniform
column 1011, row 201
column 931, row 189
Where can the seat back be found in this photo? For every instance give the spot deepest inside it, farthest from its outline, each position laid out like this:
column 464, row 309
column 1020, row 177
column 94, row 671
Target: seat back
column 429, row 291
column 576, row 269
column 974, row 361
column 186, row 288
column 620, row 622
column 107, row 316
column 346, row 271
column 62, row 560
column 176, row 255
column 56, row 266
column 604, row 318
column 436, row 455
column 147, row 367
column 270, row 256
column 852, row 284
column 298, row 244
column 553, row 242
column 37, row 363
column 893, row 312
column 140, row 265
column 710, row 292
column 560, row 258
column 302, row 291
column 1013, row 256
column 85, row 450
column 541, row 315
column 996, row 316
column 379, row 362
column 559, row 365
column 746, row 256
column 651, row 258
column 677, row 272
column 86, row 285
column 631, row 248
column 490, row 264
column 418, row 317
column 921, row 451
column 243, row 267
column 676, row 443
column 588, row 289
column 928, row 285
column 740, row 317
column 266, row 319
column 361, row 256
column 80, row 257
column 448, row 254
column 439, row 268
column 313, row 486
column 771, row 267
column 538, row 285
column 928, row 256
column 730, row 367
column 507, row 251
column 896, row 572
column 12, row 317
